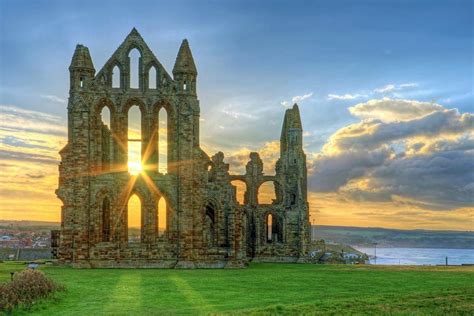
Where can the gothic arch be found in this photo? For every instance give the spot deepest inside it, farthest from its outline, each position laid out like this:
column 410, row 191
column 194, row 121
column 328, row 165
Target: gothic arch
column 147, row 69
column 210, row 223
column 104, row 206
column 132, row 46
column 112, row 64
column 105, row 102
column 134, row 101
column 273, row 231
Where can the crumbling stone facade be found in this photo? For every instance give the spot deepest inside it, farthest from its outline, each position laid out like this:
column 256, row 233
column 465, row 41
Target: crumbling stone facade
column 205, row 224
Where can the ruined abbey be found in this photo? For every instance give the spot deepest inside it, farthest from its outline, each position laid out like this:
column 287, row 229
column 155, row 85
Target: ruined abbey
column 204, row 225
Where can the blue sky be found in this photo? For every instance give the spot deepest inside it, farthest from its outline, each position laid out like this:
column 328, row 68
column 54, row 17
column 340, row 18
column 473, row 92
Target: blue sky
column 255, row 58
column 267, row 51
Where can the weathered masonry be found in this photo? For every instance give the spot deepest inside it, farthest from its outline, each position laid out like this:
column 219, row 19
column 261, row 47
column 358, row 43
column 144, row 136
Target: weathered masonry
column 203, row 225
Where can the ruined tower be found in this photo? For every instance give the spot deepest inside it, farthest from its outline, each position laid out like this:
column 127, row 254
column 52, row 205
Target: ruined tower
column 203, row 224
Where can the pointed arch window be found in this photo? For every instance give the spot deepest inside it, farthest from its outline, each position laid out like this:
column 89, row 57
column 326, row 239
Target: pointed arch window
column 134, row 59
column 134, row 141
column 163, row 141
column 274, row 228
column 152, row 78
column 269, row 227
column 162, row 217
column 134, row 218
column 106, row 148
column 116, row 77
column 210, row 226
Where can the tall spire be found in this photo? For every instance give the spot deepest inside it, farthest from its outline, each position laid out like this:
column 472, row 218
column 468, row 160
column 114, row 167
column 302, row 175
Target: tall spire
column 184, row 61
column 292, row 129
column 81, row 59
column 81, row 70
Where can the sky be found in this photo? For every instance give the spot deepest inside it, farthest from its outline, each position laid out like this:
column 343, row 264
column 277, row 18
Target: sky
column 385, row 90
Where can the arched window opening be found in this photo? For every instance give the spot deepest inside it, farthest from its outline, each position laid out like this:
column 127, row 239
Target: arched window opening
column 184, row 86
column 152, row 78
column 134, row 218
column 105, row 116
column 274, row 229
column 240, row 189
column 266, row 193
column 105, row 219
column 81, row 82
column 210, row 226
column 116, row 77
column 106, row 138
column 162, row 216
column 134, row 58
column 163, row 141
column 134, row 141
column 269, row 227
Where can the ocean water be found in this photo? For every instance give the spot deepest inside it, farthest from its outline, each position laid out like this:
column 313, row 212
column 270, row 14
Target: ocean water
column 419, row 256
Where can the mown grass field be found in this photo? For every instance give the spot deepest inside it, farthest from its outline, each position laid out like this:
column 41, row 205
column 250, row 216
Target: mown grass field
column 260, row 289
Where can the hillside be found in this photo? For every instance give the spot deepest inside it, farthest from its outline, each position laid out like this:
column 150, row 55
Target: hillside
column 366, row 237
column 354, row 236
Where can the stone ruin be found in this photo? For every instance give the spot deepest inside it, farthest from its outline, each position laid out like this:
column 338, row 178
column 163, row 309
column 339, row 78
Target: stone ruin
column 204, row 224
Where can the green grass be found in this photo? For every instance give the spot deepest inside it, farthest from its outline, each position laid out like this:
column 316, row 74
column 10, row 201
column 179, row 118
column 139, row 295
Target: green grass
column 260, row 289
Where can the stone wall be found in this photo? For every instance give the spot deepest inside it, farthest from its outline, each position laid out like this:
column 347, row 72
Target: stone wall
column 206, row 226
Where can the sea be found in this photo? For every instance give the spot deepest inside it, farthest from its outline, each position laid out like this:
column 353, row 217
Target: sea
column 418, row 256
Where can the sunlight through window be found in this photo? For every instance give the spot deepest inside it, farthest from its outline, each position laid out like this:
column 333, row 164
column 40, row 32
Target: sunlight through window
column 134, row 218
column 161, row 216
column 134, row 141
column 163, row 141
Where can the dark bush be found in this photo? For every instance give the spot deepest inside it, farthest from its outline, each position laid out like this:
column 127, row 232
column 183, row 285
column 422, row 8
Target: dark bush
column 27, row 287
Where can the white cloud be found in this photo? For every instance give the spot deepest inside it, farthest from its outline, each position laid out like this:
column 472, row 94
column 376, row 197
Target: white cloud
column 400, row 149
column 391, row 88
column 296, row 99
column 344, row 96
column 54, row 98
column 408, row 85
column 235, row 114
column 299, row 98
column 391, row 110
column 15, row 118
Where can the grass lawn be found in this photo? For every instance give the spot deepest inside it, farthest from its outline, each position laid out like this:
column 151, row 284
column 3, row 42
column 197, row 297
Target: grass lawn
column 260, row 289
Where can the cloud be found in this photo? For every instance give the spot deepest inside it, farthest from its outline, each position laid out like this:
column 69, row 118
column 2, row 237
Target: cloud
column 374, row 133
column 390, row 88
column 299, row 98
column 54, row 98
column 296, row 99
column 15, row 119
column 332, row 172
column 390, row 110
column 236, row 115
column 400, row 150
column 29, row 146
column 344, row 96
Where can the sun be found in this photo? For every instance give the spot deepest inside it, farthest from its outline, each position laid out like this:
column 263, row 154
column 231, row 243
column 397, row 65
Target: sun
column 134, row 168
